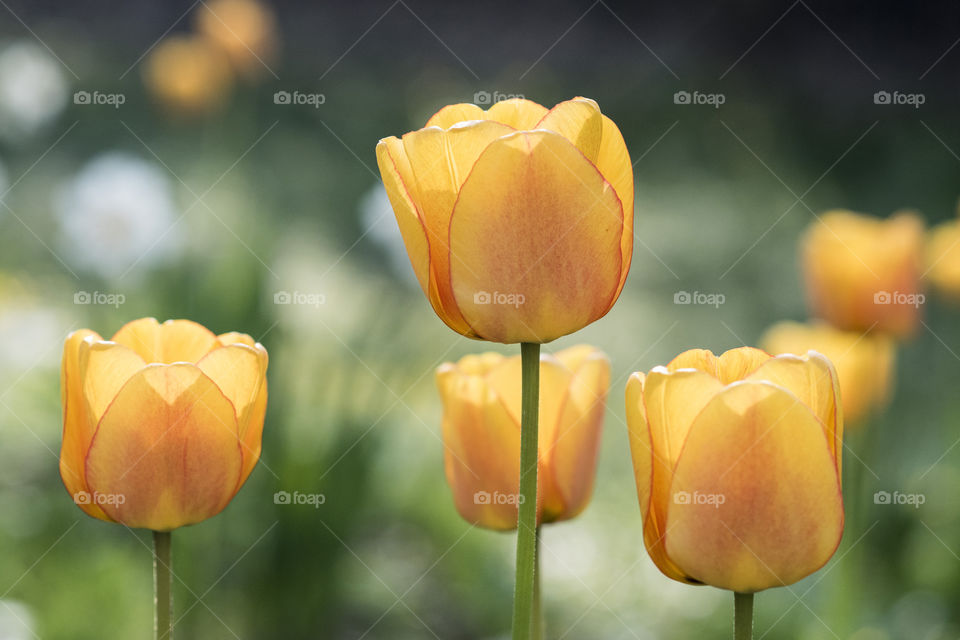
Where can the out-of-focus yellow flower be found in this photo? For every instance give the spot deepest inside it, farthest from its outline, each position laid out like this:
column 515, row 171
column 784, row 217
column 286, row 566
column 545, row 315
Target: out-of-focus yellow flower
column 481, row 433
column 188, row 75
column 864, row 362
column 737, row 463
column 519, row 219
column 246, row 30
column 943, row 258
column 864, row 273
column 162, row 423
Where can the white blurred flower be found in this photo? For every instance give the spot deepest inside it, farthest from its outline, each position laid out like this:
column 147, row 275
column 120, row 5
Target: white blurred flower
column 33, row 89
column 117, row 215
column 376, row 216
column 16, row 621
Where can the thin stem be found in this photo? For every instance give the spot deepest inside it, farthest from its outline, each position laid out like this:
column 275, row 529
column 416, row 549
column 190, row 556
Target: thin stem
column 523, row 595
column 163, row 595
column 742, row 616
column 538, row 622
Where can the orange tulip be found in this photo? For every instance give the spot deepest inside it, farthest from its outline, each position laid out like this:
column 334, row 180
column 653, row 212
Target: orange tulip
column 943, row 258
column 245, row 30
column 518, row 220
column 864, row 362
column 162, row 423
column 188, row 76
column 737, row 464
column 863, row 273
column 481, row 433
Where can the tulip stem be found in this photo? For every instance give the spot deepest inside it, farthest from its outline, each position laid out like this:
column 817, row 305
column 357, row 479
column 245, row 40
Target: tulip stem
column 162, row 579
column 537, row 606
column 523, row 596
column 742, row 616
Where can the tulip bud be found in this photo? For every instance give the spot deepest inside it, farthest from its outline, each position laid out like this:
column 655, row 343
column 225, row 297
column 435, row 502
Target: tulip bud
column 943, row 258
column 864, row 362
column 863, row 273
column 481, row 433
column 518, row 220
column 161, row 424
column 737, row 465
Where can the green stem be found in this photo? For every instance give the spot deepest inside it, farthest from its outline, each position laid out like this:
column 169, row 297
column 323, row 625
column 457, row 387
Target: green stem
column 538, row 625
column 523, row 595
column 742, row 616
column 163, row 595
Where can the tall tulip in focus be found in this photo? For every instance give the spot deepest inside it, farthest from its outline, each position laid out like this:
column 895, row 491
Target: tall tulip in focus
column 518, row 221
column 864, row 362
column 161, row 427
column 863, row 273
column 737, row 463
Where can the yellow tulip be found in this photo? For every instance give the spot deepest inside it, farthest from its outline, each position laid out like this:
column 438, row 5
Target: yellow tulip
column 943, row 258
column 518, row 220
column 188, row 76
column 245, row 30
column 737, row 465
column 481, row 433
column 864, row 362
column 864, row 273
column 162, row 423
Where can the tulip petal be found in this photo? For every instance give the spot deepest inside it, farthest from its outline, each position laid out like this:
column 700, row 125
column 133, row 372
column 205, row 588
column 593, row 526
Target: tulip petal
column 234, row 337
column 613, row 161
column 518, row 113
column 169, row 445
column 104, row 368
column 454, row 113
column 535, row 220
column 570, row 455
column 579, row 121
column 781, row 517
column 172, row 341
column 239, row 372
column 643, row 456
column 672, row 400
column 77, row 428
column 813, row 380
column 481, row 450
column 441, row 160
column 730, row 366
column 399, row 182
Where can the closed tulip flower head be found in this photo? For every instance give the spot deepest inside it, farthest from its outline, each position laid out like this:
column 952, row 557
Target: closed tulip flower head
column 737, row 462
column 162, row 423
column 518, row 220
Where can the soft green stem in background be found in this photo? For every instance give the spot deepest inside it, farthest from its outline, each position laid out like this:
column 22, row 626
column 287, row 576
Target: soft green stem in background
column 742, row 616
column 523, row 595
column 163, row 595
